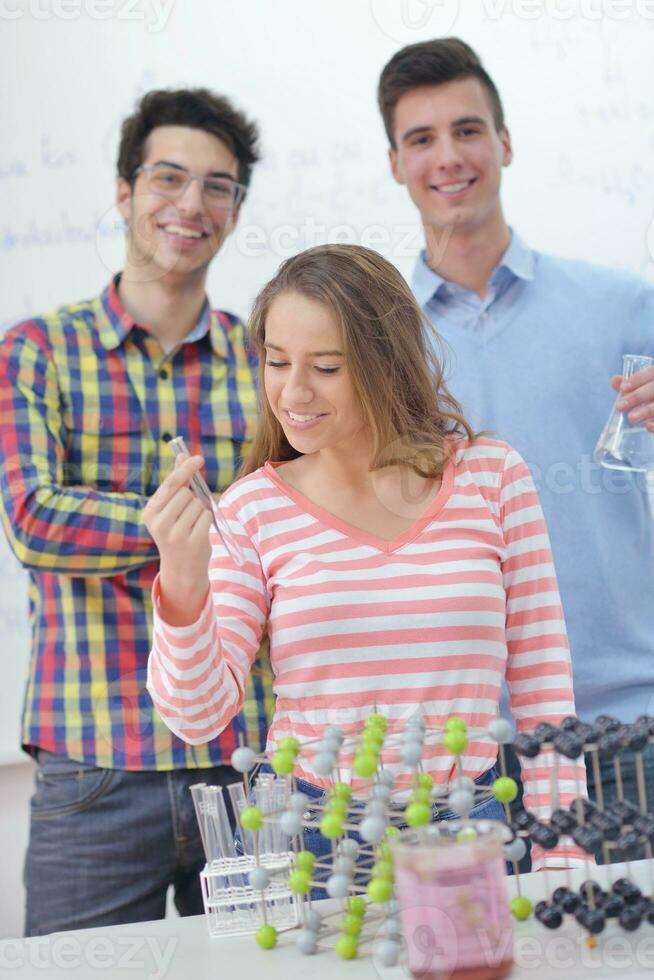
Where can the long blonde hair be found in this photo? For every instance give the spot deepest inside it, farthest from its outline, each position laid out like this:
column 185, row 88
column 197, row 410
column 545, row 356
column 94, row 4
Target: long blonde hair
column 390, row 352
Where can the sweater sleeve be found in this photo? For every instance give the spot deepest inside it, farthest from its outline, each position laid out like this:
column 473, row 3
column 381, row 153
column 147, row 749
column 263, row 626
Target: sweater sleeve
column 197, row 673
column 539, row 671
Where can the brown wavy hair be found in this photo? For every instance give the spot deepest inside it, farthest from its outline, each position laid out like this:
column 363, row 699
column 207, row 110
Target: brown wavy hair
column 391, row 354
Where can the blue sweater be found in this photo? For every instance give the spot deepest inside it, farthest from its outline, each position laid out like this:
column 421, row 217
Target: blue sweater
column 532, row 362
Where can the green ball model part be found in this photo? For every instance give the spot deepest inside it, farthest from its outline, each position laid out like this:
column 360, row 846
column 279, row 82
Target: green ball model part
column 466, row 834
column 331, row 826
column 346, row 947
column 421, row 795
column 283, row 763
column 371, row 741
column 417, row 814
column 289, row 744
column 356, row 905
column 384, row 870
column 305, row 861
column 365, row 765
column 376, row 721
column 455, row 742
column 392, row 831
column 505, row 789
column 384, row 853
column 351, row 924
column 251, row 818
column 521, row 908
column 455, row 724
column 379, row 890
column 299, row 882
column 342, row 792
column 424, row 780
column 336, row 805
column 266, row 937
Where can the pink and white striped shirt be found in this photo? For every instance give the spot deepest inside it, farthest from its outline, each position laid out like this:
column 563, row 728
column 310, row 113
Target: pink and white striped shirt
column 428, row 623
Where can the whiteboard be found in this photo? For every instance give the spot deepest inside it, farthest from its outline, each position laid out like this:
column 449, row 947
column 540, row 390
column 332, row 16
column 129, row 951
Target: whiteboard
column 575, row 76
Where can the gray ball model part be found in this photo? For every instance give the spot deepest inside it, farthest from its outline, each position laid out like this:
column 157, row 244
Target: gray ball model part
column 385, row 777
column 393, row 907
column 313, row 920
column 243, row 758
column 411, row 753
column 461, row 802
column 372, row 829
column 298, row 802
column 331, row 745
column 500, row 731
column 306, row 942
column 388, row 953
column 376, row 808
column 338, row 886
column 259, row 879
column 343, row 865
column 515, row 850
column 463, row 782
column 393, row 928
column 290, row 822
column 323, row 763
column 380, row 791
column 333, row 731
column 413, row 735
column 349, row 848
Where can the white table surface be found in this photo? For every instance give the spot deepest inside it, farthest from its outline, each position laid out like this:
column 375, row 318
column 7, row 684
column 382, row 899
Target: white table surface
column 180, row 949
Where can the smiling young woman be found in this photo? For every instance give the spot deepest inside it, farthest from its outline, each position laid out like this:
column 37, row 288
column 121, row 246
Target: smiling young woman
column 354, row 391
column 398, row 562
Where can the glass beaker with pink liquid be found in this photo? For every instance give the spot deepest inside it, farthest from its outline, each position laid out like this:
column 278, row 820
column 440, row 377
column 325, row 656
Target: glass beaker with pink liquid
column 450, row 882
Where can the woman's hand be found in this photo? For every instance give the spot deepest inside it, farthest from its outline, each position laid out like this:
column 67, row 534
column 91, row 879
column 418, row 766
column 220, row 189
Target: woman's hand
column 179, row 524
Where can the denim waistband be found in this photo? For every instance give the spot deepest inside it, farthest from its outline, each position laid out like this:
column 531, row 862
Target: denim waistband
column 316, row 792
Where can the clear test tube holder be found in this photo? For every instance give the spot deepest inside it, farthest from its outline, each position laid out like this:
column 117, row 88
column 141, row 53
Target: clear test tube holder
column 233, row 907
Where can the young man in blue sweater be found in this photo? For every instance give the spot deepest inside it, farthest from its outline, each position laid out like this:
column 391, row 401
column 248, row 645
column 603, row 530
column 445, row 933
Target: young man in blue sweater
column 536, row 346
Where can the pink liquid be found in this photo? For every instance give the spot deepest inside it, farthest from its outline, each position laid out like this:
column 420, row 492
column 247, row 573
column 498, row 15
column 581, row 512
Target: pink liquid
column 454, row 912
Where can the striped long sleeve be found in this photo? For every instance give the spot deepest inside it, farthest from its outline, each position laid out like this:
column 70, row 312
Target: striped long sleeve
column 539, row 671
column 197, row 674
column 427, row 623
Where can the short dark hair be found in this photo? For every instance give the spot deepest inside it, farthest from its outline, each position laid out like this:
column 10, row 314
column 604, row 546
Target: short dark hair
column 434, row 62
column 197, row 108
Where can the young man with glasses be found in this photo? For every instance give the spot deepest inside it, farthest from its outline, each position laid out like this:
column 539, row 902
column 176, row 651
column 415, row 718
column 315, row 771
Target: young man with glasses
column 534, row 342
column 90, row 396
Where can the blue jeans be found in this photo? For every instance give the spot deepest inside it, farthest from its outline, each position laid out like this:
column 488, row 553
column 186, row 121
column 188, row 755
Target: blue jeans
column 487, row 809
column 105, row 844
column 314, row 841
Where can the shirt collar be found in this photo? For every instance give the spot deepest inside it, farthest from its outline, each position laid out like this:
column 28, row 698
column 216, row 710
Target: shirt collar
column 115, row 323
column 518, row 260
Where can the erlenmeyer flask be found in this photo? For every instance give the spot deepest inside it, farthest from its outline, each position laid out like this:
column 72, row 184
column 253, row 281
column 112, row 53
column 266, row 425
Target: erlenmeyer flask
column 624, row 445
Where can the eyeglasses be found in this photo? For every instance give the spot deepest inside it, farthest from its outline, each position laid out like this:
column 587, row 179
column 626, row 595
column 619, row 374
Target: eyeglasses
column 171, row 182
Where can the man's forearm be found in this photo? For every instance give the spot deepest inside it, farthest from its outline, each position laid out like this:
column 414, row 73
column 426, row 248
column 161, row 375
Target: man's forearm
column 77, row 531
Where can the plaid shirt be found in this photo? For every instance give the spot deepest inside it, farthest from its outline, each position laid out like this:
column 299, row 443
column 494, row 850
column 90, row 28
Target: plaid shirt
column 89, row 400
